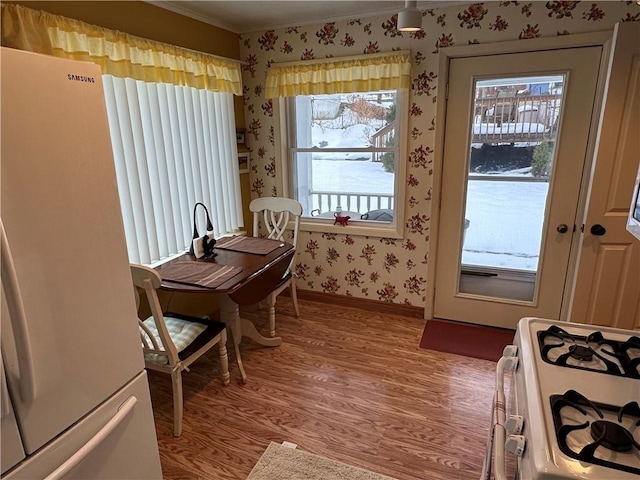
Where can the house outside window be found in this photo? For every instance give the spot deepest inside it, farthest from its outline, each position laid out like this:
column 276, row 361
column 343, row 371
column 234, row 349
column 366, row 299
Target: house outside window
column 343, row 141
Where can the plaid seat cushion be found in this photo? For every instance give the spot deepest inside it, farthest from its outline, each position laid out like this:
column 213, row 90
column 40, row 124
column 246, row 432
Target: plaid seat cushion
column 182, row 332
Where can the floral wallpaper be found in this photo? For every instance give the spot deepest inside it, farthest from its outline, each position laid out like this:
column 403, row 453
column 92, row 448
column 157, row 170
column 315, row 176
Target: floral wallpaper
column 384, row 269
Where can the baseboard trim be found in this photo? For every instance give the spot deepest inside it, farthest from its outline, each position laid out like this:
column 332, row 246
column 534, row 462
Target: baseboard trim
column 362, row 303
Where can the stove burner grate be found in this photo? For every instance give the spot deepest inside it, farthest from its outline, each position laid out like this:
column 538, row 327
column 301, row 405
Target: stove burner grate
column 593, row 352
column 581, row 353
column 605, row 434
column 612, row 436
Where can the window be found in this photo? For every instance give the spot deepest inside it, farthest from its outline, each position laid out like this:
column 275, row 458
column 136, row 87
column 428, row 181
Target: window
column 344, row 153
column 173, row 146
column 343, row 140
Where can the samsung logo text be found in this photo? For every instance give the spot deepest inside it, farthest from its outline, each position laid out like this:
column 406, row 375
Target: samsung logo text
column 80, row 78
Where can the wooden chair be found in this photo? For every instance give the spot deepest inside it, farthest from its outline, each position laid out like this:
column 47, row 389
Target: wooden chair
column 171, row 342
column 276, row 213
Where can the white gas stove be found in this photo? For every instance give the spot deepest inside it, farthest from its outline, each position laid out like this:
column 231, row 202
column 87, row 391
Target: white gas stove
column 574, row 406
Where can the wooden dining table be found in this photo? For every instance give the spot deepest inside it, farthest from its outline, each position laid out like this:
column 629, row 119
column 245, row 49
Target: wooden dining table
column 258, row 277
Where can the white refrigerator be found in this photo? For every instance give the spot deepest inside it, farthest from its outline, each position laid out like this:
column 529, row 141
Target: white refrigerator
column 75, row 397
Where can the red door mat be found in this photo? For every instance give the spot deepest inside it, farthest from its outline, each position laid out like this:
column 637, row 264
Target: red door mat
column 475, row 341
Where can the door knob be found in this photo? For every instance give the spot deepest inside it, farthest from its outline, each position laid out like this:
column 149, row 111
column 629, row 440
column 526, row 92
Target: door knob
column 598, row 230
column 562, row 228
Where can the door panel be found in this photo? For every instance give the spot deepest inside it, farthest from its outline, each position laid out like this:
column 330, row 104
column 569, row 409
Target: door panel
column 128, row 451
column 501, row 292
column 607, row 282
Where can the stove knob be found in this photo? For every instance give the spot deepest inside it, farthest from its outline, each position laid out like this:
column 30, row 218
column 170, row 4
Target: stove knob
column 514, row 424
column 510, row 351
column 515, row 444
column 512, row 364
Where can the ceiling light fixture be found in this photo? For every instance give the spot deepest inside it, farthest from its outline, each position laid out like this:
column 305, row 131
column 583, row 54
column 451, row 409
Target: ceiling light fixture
column 410, row 18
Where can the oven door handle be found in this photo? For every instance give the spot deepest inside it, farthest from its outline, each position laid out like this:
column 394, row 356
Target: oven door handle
column 497, row 431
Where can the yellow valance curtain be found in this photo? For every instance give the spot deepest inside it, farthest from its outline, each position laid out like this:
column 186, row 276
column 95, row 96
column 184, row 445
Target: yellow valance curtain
column 385, row 71
column 118, row 54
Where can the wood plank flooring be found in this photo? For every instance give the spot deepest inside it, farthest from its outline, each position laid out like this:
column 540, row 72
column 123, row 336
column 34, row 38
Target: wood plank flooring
column 347, row 384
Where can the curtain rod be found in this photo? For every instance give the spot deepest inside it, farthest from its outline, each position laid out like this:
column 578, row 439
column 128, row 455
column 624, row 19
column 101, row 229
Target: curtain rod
column 342, row 59
column 219, row 57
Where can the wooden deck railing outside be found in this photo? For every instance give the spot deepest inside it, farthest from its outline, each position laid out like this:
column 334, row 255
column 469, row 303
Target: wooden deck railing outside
column 327, row 202
column 526, row 118
column 382, row 138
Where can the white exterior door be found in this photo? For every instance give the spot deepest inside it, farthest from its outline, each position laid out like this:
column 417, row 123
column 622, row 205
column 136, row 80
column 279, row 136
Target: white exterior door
column 607, row 282
column 506, row 232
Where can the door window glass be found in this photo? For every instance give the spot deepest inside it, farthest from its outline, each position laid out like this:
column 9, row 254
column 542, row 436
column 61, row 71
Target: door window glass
column 511, row 159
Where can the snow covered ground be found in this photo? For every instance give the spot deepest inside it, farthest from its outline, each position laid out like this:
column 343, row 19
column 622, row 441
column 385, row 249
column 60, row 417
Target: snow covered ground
column 505, row 217
column 351, row 176
column 505, row 224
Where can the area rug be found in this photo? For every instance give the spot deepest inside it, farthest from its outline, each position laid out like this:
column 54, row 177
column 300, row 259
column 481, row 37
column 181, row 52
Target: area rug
column 284, row 463
column 465, row 339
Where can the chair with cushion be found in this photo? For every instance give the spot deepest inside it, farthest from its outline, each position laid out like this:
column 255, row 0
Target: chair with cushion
column 275, row 213
column 171, row 342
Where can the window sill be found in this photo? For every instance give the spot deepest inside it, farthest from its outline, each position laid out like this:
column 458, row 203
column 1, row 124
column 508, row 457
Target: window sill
column 356, row 228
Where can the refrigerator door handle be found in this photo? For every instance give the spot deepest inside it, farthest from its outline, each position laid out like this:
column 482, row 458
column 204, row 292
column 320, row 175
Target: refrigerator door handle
column 5, row 403
column 18, row 320
column 123, row 411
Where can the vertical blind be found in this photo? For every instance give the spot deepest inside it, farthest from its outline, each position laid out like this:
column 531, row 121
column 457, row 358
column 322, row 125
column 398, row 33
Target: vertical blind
column 173, row 146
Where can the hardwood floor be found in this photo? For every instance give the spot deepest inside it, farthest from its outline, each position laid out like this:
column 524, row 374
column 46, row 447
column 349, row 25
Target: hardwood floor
column 347, row 384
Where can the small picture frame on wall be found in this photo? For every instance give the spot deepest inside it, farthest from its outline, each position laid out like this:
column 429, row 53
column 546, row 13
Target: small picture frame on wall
column 240, row 135
column 243, row 161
